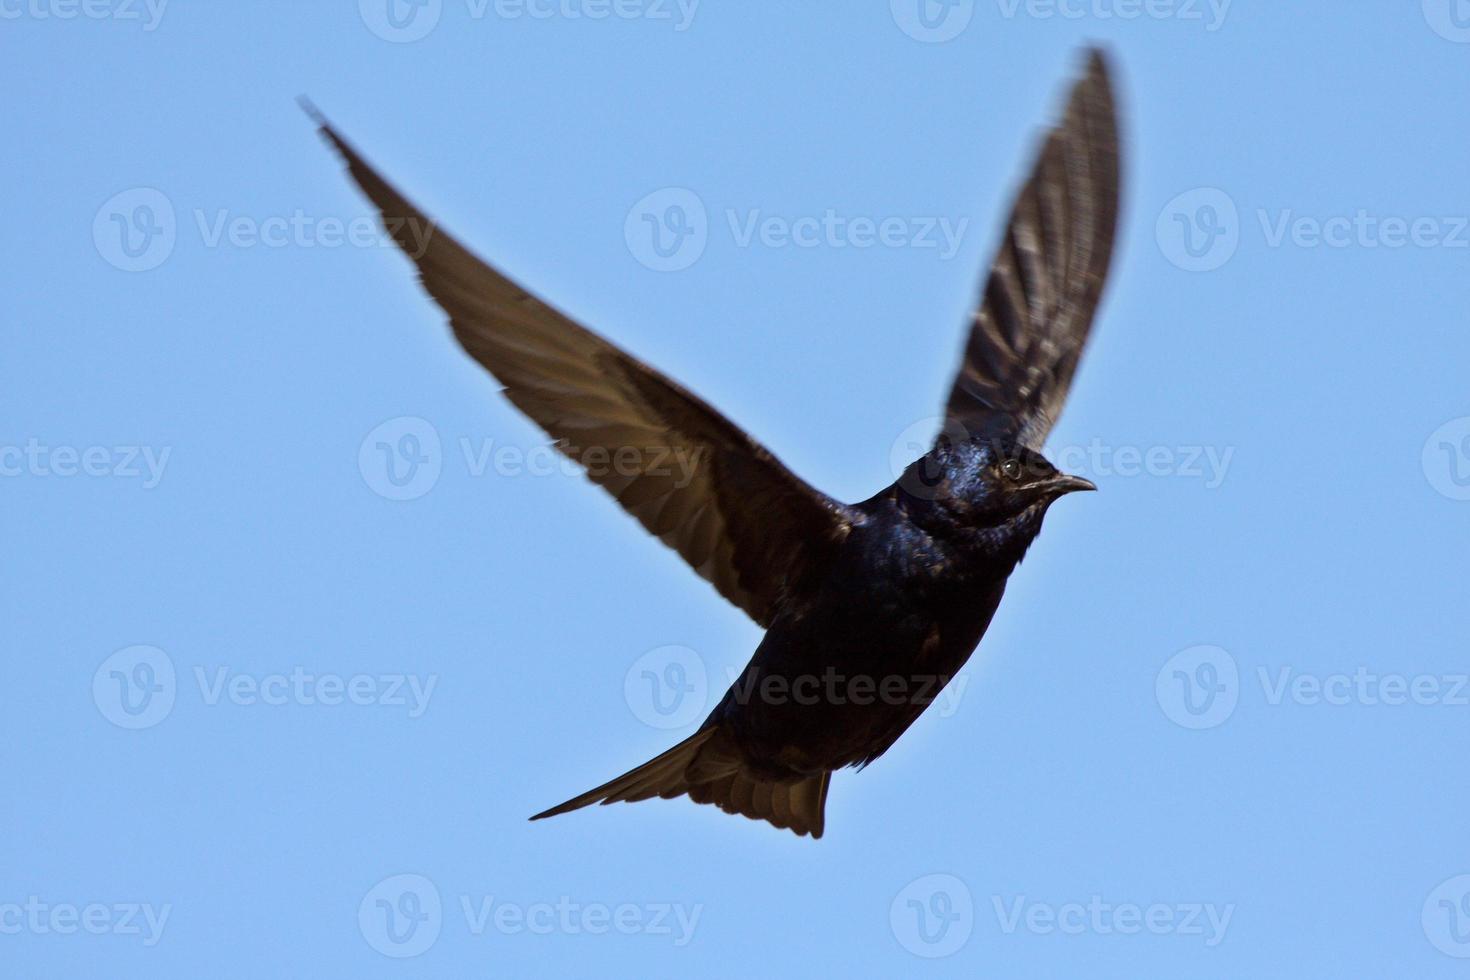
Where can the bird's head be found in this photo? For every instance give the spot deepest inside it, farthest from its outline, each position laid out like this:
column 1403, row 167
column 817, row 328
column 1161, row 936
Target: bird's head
column 980, row 484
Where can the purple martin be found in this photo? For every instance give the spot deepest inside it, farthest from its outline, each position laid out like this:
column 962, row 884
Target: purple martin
column 869, row 608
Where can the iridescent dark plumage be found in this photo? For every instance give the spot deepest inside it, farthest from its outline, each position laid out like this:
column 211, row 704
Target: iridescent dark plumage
column 869, row 608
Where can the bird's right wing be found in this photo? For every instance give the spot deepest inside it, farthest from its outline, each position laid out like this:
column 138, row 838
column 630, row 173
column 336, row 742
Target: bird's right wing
column 692, row 478
column 1045, row 283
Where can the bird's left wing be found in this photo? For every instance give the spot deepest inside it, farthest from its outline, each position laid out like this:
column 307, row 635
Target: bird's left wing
column 692, row 478
column 1038, row 302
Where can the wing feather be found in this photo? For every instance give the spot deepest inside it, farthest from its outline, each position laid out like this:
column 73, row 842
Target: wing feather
column 1038, row 302
column 693, row 479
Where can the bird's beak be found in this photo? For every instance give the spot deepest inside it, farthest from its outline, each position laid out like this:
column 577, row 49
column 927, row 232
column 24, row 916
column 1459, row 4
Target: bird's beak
column 1066, row 483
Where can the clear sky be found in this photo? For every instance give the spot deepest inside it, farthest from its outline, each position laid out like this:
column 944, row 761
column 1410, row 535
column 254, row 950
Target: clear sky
column 254, row 677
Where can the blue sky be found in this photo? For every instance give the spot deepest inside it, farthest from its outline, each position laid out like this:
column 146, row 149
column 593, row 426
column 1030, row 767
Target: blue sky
column 271, row 712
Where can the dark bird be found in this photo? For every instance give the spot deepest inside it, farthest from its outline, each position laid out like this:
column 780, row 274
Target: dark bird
column 869, row 608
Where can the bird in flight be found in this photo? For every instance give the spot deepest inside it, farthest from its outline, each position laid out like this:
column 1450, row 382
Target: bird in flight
column 869, row 608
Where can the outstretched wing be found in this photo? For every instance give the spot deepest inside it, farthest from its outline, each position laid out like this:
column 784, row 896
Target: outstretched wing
column 693, row 479
column 1044, row 286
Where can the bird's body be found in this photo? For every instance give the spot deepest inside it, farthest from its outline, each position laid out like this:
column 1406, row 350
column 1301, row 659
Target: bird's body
column 871, row 608
column 841, row 674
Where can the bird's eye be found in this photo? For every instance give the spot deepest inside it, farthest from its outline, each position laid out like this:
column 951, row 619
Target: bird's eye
column 1011, row 468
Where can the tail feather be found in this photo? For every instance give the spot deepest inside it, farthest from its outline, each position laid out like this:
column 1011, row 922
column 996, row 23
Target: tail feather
column 798, row 807
column 662, row 774
column 707, row 775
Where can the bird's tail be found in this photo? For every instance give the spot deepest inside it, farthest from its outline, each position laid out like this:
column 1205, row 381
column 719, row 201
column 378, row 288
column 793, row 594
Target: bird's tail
column 700, row 768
